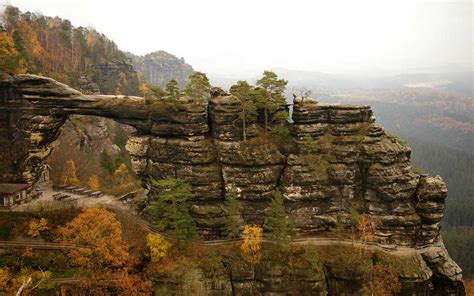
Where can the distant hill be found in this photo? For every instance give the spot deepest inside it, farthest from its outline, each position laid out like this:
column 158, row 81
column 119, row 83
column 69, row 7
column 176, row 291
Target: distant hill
column 159, row 67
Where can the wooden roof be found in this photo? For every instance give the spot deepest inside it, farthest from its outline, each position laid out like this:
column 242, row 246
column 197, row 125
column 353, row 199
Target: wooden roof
column 10, row 188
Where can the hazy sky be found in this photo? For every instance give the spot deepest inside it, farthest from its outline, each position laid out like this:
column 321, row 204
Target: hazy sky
column 246, row 36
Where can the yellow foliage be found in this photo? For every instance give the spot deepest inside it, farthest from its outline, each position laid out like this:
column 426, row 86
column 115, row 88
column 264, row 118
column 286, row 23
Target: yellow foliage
column 69, row 173
column 121, row 174
column 4, row 278
column 37, row 226
column 144, row 89
column 158, row 245
column 101, row 232
column 8, row 53
column 252, row 244
column 31, row 39
column 123, row 77
column 94, row 183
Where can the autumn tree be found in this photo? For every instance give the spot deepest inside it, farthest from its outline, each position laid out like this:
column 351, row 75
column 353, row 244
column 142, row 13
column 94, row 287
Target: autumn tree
column 37, row 226
column 277, row 224
column 232, row 207
column 4, row 278
column 26, row 282
column 385, row 280
column 158, row 245
column 246, row 96
column 366, row 229
column 252, row 244
column 169, row 207
column 198, row 86
column 100, row 234
column 8, row 54
column 121, row 174
column 270, row 96
column 93, row 182
column 69, row 173
column 144, row 89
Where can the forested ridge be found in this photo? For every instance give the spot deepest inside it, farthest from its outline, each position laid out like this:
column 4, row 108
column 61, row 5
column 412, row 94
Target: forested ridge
column 51, row 46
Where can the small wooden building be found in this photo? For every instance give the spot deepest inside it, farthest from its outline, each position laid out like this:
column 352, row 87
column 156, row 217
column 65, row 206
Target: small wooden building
column 14, row 193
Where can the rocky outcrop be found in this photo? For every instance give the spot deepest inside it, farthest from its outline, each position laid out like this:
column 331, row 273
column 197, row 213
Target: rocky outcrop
column 160, row 67
column 340, row 159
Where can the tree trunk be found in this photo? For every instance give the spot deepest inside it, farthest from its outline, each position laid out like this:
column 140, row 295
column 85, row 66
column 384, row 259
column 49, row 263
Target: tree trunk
column 244, row 135
column 265, row 113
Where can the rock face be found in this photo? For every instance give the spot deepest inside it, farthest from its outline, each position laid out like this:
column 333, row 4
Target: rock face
column 160, row 67
column 340, row 158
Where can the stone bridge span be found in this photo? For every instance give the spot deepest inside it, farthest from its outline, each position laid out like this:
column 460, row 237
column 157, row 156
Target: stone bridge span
column 353, row 161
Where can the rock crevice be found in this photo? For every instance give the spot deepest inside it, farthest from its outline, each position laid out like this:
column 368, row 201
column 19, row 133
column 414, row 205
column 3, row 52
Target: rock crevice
column 340, row 157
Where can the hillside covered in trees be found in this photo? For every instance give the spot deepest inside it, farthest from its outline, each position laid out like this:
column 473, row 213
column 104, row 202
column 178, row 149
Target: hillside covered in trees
column 53, row 47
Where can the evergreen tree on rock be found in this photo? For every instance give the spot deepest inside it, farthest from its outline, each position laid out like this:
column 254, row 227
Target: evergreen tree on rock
column 169, row 208
column 270, row 96
column 246, row 96
column 198, row 86
column 277, row 224
column 234, row 221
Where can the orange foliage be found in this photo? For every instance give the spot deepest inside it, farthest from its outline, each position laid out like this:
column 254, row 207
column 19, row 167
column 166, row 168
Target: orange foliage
column 385, row 281
column 31, row 39
column 252, row 244
column 4, row 278
column 8, row 53
column 101, row 233
column 366, row 228
column 469, row 286
column 144, row 89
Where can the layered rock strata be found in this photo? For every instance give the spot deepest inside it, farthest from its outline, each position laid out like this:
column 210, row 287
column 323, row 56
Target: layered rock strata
column 339, row 158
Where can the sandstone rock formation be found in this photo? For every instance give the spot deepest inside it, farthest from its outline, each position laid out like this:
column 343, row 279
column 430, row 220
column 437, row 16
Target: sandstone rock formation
column 353, row 160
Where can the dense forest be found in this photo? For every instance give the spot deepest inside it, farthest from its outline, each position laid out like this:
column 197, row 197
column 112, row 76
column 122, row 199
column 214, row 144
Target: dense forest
column 51, row 46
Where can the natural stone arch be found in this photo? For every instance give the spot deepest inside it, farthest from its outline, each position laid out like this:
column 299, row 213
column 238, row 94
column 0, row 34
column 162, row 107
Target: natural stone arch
column 198, row 141
column 33, row 109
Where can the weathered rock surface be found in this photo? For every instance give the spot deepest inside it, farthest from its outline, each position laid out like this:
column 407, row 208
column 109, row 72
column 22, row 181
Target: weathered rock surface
column 160, row 67
column 340, row 158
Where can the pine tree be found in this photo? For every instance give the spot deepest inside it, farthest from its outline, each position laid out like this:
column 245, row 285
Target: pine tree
column 172, row 89
column 234, row 221
column 270, row 96
column 246, row 96
column 157, row 92
column 198, row 86
column 277, row 224
column 169, row 208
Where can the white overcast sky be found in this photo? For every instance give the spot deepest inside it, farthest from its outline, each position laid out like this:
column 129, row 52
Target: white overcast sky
column 247, row 36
